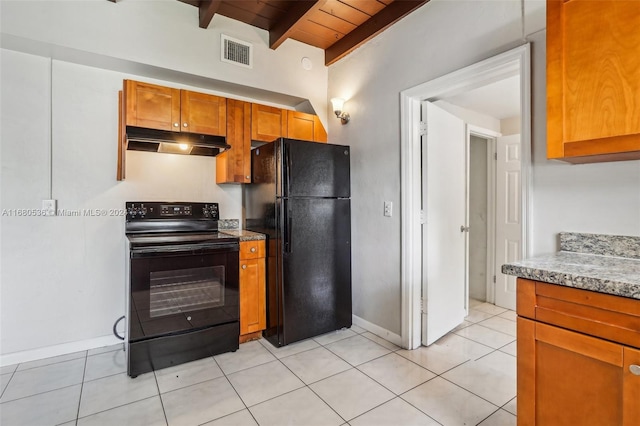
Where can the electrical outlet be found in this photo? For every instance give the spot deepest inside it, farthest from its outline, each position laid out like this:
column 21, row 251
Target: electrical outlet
column 388, row 206
column 49, row 207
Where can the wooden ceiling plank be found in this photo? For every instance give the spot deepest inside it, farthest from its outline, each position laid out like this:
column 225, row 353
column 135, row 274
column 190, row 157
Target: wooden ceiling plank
column 287, row 24
column 370, row 7
column 378, row 23
column 321, row 31
column 207, row 9
column 230, row 10
column 195, row 3
column 267, row 9
column 311, row 39
column 331, row 21
column 345, row 12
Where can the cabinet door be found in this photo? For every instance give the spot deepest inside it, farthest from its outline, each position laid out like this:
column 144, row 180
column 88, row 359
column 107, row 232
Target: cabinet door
column 151, row 106
column 567, row 378
column 234, row 165
column 593, row 80
column 306, row 127
column 203, row 113
column 267, row 123
column 252, row 296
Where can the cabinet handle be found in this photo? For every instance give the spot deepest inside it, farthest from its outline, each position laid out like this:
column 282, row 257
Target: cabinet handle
column 244, row 266
column 185, row 125
column 253, row 249
column 176, row 124
column 635, row 369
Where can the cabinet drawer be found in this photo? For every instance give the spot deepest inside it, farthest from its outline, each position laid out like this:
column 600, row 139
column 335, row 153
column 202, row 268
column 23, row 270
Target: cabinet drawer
column 252, row 249
column 601, row 315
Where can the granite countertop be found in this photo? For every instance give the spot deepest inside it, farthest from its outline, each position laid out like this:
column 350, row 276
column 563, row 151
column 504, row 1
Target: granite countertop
column 604, row 263
column 244, row 235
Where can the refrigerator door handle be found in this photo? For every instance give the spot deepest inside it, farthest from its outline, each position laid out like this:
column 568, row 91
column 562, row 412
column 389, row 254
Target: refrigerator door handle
column 286, row 231
column 287, row 170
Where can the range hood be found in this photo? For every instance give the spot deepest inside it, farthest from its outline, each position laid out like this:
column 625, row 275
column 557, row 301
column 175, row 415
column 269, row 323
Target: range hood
column 151, row 140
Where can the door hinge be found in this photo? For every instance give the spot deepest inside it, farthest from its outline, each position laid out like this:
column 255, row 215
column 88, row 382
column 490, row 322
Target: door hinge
column 422, row 218
column 423, row 128
column 494, row 279
column 423, row 306
column 495, row 155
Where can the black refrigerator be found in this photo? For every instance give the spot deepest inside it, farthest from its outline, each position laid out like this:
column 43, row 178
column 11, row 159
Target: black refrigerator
column 300, row 197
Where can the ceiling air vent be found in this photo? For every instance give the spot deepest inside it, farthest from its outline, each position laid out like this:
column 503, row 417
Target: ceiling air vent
column 236, row 51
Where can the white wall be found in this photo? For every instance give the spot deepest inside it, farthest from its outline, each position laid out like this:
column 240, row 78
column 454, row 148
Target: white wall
column 440, row 37
column 162, row 34
column 62, row 279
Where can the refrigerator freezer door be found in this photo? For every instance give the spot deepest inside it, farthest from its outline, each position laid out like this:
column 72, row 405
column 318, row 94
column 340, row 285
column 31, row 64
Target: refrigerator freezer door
column 316, row 267
column 312, row 169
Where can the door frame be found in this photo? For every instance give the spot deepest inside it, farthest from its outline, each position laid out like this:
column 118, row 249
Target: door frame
column 490, row 136
column 513, row 62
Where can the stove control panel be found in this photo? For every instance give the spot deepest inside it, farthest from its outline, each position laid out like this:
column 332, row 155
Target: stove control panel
column 175, row 210
column 163, row 210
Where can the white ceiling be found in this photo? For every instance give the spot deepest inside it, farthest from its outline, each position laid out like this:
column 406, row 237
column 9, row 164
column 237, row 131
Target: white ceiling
column 499, row 100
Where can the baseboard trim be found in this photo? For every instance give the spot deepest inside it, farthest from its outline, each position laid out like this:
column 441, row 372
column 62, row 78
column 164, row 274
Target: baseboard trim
column 377, row 330
column 56, row 350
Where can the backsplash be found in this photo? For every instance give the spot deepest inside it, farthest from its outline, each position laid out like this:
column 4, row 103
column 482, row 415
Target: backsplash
column 228, row 224
column 606, row 245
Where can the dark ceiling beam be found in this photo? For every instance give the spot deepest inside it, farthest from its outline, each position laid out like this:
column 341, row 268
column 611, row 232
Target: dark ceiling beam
column 287, row 24
column 373, row 26
column 208, row 8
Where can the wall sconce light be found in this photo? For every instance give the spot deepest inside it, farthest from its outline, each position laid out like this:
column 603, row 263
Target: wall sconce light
column 338, row 104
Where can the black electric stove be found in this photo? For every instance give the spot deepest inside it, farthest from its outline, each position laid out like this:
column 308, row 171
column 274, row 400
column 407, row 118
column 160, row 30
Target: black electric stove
column 182, row 292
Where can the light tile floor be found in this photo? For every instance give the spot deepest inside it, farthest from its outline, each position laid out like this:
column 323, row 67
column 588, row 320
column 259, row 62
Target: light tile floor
column 348, row 377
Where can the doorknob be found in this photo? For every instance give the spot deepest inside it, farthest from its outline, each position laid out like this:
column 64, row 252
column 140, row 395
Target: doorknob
column 464, row 228
column 635, row 369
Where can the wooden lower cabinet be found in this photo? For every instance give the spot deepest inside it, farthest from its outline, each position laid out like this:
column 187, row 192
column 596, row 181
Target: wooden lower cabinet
column 577, row 374
column 252, row 289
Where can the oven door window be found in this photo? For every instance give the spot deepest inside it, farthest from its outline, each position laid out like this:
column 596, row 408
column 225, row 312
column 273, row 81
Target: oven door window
column 186, row 290
column 177, row 293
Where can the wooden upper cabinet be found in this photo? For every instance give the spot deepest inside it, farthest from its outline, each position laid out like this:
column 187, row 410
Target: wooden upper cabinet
column 593, row 80
column 305, row 126
column 203, row 113
column 267, row 123
column 234, row 164
column 152, row 106
column 164, row 108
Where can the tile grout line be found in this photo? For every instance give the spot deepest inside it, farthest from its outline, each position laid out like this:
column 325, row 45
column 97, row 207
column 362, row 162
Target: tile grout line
column 417, row 408
column 8, row 383
column 164, row 412
column 472, row 393
column 477, row 424
column 312, row 391
column 246, row 407
column 84, row 373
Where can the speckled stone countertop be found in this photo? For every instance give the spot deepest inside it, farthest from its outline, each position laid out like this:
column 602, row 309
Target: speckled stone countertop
column 244, row 235
column 586, row 262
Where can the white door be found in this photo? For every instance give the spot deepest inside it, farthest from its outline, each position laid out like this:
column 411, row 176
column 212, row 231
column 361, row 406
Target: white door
column 444, row 202
column 508, row 217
